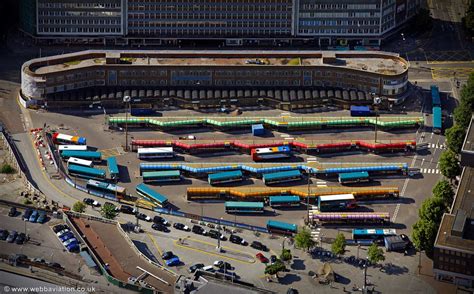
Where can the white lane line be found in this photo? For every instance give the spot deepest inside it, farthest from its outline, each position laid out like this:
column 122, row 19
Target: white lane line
column 394, row 217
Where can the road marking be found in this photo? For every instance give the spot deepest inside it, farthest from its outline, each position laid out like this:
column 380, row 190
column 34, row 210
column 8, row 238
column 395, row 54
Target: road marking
column 212, row 253
column 155, row 244
column 394, row 217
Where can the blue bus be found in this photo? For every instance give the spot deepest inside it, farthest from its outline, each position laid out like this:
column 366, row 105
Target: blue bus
column 355, row 177
column 244, row 207
column 86, row 172
column 106, row 187
column 284, row 201
column 281, row 177
column 161, row 176
column 435, row 98
column 225, row 177
column 147, row 192
column 375, row 235
column 281, row 227
column 437, row 120
column 113, row 168
column 89, row 155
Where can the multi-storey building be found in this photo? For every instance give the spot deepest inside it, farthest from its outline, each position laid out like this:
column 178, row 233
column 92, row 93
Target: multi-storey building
column 293, row 79
column 231, row 22
column 453, row 258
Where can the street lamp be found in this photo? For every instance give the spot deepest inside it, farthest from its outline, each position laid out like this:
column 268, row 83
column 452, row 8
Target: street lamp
column 218, row 248
column 126, row 101
column 377, row 100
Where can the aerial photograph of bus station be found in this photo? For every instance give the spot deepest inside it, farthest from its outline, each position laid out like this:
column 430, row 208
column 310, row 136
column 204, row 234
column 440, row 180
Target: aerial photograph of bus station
column 237, row 146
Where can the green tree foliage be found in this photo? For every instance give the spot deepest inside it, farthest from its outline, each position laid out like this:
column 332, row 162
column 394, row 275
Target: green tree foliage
column 108, row 211
column 449, row 165
column 286, row 255
column 468, row 20
column 303, row 239
column 455, row 137
column 79, row 207
column 375, row 254
column 7, row 169
column 424, row 235
column 273, row 269
column 467, row 92
column 462, row 115
column 432, row 209
column 444, row 190
column 338, row 247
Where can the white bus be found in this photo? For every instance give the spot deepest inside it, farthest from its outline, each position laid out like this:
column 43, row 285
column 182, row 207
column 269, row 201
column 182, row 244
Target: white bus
column 72, row 147
column 78, row 161
column 159, row 152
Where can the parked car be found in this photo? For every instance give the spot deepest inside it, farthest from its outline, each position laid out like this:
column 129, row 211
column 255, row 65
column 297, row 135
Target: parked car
column 91, row 202
column 58, row 228
column 12, row 236
column 3, row 235
column 62, row 232
column 261, row 257
column 167, row 255
column 180, row 226
column 38, row 260
column 215, row 234
column 237, row 240
column 34, row 215
column 273, row 259
column 195, row 267
column 143, row 216
column 69, row 241
column 127, row 209
column 291, row 291
column 41, row 218
column 66, row 236
column 199, row 230
column 27, row 214
column 159, row 220
column 160, row 227
column 72, row 247
column 222, row 264
column 259, row 246
column 20, row 239
column 173, row 261
column 12, row 211
column 55, row 265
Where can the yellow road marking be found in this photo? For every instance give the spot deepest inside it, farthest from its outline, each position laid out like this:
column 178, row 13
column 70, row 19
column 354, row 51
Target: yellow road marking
column 155, row 244
column 212, row 253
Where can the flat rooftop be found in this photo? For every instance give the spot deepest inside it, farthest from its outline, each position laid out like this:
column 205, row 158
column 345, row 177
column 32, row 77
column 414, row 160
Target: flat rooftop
column 461, row 218
column 468, row 145
column 371, row 61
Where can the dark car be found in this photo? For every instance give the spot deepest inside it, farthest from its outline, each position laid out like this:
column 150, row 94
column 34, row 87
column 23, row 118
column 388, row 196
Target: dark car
column 160, row 227
column 90, row 202
column 167, row 255
column 55, row 265
column 195, row 267
column 12, row 211
column 180, row 226
column 237, row 240
column 20, row 239
column 59, row 228
column 27, row 214
column 159, row 220
column 259, row 246
column 42, row 217
column 222, row 264
column 127, row 209
column 11, row 238
column 3, row 235
column 198, row 230
column 215, row 234
column 291, row 291
column 144, row 217
column 273, row 258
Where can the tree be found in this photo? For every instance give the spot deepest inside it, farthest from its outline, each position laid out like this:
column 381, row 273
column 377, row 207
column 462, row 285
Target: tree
column 448, row 164
column 303, row 239
column 79, row 207
column 108, row 211
column 424, row 235
column 375, row 254
column 338, row 247
column 7, row 169
column 273, row 269
column 444, row 190
column 286, row 255
column 462, row 114
column 432, row 209
column 455, row 137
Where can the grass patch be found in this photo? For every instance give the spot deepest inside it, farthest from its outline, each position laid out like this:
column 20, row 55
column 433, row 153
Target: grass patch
column 98, row 60
column 294, row 61
column 27, row 202
column 128, row 60
column 72, row 62
column 7, row 169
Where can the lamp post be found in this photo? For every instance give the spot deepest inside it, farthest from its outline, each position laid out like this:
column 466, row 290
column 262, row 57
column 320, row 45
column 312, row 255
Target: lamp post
column 377, row 100
column 126, row 101
column 283, row 244
column 218, row 248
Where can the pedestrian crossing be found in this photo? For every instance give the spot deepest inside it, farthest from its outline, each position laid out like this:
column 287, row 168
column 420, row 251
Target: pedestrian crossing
column 437, row 146
column 430, row 171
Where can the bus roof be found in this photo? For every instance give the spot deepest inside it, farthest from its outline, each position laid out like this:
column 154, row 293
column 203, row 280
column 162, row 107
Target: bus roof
column 242, row 204
column 381, row 232
column 79, row 161
column 283, row 199
column 158, row 174
column 148, row 191
column 336, row 197
column 282, row 225
column 354, row 175
column 273, row 149
column 155, row 150
column 72, row 147
column 437, row 117
column 225, row 175
column 281, row 175
column 81, row 154
column 112, row 165
column 86, row 170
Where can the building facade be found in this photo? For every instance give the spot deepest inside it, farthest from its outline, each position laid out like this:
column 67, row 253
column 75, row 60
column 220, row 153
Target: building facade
column 284, row 77
column 228, row 22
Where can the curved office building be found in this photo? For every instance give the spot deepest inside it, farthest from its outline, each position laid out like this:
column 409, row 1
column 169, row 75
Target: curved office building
column 284, row 79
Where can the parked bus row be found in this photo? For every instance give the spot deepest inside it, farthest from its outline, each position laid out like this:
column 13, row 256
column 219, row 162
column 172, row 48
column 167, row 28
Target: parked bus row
column 437, row 110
